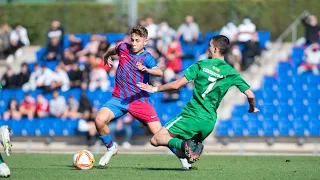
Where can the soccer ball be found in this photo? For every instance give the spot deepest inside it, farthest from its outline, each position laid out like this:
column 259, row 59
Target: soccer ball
column 83, row 160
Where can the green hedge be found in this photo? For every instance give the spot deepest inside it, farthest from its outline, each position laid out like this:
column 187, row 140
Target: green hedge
column 271, row 15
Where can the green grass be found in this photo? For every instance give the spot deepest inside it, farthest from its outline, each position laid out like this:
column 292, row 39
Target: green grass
column 58, row 167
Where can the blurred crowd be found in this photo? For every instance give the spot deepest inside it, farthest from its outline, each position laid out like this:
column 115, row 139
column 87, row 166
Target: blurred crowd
column 80, row 65
column 311, row 40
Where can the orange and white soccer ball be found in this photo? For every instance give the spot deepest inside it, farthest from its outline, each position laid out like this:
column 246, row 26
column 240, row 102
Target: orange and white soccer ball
column 83, row 160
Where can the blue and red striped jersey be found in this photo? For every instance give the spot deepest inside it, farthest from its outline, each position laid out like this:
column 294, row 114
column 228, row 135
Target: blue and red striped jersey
column 128, row 76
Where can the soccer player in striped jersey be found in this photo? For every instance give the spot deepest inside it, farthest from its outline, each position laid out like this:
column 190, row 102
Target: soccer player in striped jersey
column 135, row 65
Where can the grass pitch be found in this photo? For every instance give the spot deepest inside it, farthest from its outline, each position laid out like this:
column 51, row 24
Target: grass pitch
column 123, row 166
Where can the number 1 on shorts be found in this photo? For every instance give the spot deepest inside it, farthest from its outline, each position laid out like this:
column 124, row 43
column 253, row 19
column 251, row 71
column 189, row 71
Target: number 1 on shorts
column 213, row 81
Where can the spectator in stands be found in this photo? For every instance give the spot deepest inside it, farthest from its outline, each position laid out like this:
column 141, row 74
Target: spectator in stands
column 23, row 76
column 103, row 46
column 312, row 28
column 75, row 76
column 75, row 44
column 189, row 30
column 152, row 31
column 246, row 31
column 203, row 56
column 86, row 113
column 90, row 48
column 9, row 80
column 31, row 85
column 61, row 78
column 28, row 107
column 18, row 38
column 173, row 54
column 42, row 107
column 234, row 57
column 123, row 124
column 4, row 40
column 68, row 57
column 230, row 30
column 45, row 79
column 98, row 76
column 164, row 36
column 55, row 41
column 71, row 110
column 12, row 110
column 57, row 105
column 311, row 60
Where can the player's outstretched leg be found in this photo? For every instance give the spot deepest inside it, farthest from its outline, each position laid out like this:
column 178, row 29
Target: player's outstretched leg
column 154, row 127
column 5, row 141
column 105, row 115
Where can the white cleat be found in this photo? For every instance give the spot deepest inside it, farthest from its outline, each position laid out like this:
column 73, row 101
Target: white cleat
column 185, row 164
column 4, row 170
column 5, row 139
column 107, row 156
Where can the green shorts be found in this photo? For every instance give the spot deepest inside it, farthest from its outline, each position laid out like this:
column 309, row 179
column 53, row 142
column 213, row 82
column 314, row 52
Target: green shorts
column 187, row 127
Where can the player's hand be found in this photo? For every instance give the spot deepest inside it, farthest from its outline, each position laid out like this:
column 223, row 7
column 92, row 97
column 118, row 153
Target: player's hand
column 141, row 67
column 107, row 60
column 251, row 110
column 145, row 87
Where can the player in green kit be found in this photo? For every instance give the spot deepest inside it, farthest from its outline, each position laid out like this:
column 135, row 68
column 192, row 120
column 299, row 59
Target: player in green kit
column 212, row 79
column 5, row 141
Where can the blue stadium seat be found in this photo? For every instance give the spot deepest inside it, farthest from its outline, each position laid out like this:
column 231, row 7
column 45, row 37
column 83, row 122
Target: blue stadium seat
column 268, row 127
column 299, row 126
column 40, row 55
column 71, row 126
column 314, row 127
column 238, row 127
column 30, row 127
column 52, row 64
column 284, row 126
column 57, row 126
column 223, row 128
column 114, row 37
column 253, row 127
column 44, row 126
column 269, row 81
column 264, row 37
column 17, row 126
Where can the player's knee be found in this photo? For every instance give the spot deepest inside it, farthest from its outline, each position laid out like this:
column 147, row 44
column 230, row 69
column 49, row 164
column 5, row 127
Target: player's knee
column 154, row 141
column 100, row 121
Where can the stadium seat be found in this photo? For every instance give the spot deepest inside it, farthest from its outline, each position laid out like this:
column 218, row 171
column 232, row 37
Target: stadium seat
column 253, row 127
column 284, row 126
column 264, row 37
column 30, row 127
column 299, row 126
column 114, row 37
column 268, row 127
column 238, row 127
column 223, row 127
column 43, row 126
column 314, row 127
column 57, row 126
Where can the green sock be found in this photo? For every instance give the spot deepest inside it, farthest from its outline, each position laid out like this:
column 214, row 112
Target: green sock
column 175, row 143
column 1, row 160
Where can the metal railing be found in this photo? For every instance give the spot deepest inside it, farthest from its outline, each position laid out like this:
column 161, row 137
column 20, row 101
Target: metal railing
column 292, row 28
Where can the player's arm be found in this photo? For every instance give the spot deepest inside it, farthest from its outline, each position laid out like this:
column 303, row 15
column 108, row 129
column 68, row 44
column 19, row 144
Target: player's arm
column 149, row 66
column 166, row 87
column 107, row 56
column 252, row 101
column 244, row 87
column 156, row 71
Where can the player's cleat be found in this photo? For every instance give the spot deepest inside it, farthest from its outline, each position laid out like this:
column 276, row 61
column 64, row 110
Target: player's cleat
column 5, row 139
column 107, row 156
column 4, row 170
column 192, row 150
column 185, row 164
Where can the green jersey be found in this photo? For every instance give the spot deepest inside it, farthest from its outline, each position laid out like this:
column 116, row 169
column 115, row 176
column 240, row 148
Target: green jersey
column 212, row 79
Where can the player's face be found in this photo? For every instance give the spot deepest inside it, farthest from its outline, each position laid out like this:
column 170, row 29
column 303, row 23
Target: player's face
column 137, row 42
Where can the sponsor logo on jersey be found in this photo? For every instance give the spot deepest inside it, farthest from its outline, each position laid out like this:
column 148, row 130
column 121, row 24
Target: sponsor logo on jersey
column 216, row 69
column 212, row 73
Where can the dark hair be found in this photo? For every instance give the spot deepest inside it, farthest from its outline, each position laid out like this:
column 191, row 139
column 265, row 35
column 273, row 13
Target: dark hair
column 140, row 30
column 222, row 43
